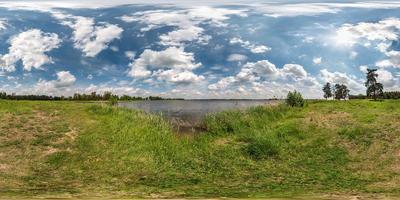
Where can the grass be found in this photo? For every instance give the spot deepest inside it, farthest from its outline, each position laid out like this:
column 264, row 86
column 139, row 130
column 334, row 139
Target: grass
column 80, row 149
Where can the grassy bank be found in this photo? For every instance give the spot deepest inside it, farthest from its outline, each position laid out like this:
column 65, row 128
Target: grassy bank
column 69, row 148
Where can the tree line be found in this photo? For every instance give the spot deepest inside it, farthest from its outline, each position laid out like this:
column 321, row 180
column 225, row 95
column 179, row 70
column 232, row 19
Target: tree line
column 374, row 89
column 106, row 96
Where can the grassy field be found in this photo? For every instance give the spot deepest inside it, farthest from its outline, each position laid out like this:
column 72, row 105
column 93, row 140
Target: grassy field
column 327, row 149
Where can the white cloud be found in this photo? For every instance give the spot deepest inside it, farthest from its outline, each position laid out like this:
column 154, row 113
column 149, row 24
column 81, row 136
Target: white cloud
column 114, row 48
column 386, row 78
column 179, row 36
column 119, row 90
column 363, row 69
column 91, row 39
column 294, row 71
column 178, row 76
column 252, row 47
column 274, row 9
column 355, row 86
column 392, row 61
column 55, row 87
column 128, row 18
column 312, row 9
column 185, row 21
column 236, row 57
column 130, row 54
column 317, row 60
column 64, row 79
column 384, row 30
column 223, row 83
column 29, row 47
column 353, row 55
column 291, row 10
column 3, row 24
column 172, row 65
column 262, row 79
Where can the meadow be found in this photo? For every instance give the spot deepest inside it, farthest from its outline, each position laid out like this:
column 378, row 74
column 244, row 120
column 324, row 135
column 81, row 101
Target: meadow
column 326, row 149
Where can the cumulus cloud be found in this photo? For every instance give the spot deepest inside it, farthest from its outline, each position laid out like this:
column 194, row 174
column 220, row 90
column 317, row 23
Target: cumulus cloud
column 29, row 47
column 3, row 24
column 265, row 79
column 355, row 86
column 392, row 61
column 54, row 87
column 119, row 90
column 178, row 76
column 386, row 78
column 272, row 9
column 130, row 54
column 317, row 60
column 172, row 65
column 90, row 38
column 185, row 21
column 247, row 45
column 384, row 30
column 236, row 57
column 312, row 9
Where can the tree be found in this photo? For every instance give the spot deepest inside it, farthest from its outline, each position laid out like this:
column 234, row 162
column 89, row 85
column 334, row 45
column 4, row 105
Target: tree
column 374, row 88
column 341, row 91
column 107, row 95
column 327, row 91
column 295, row 99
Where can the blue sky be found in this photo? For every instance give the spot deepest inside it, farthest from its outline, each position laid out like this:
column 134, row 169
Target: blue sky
column 197, row 49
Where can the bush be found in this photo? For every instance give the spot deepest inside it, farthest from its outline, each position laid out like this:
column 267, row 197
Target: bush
column 113, row 101
column 295, row 99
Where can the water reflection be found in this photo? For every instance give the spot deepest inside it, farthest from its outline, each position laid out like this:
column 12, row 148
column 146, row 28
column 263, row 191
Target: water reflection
column 188, row 114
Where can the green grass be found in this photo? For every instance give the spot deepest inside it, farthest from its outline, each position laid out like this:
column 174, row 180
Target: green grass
column 327, row 147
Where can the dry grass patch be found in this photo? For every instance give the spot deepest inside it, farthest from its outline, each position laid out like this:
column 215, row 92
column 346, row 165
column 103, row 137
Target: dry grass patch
column 26, row 140
column 331, row 120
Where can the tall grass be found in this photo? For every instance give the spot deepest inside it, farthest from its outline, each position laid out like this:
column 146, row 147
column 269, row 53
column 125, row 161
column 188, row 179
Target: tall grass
column 259, row 152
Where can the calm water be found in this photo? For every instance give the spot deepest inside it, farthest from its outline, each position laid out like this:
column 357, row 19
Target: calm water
column 191, row 112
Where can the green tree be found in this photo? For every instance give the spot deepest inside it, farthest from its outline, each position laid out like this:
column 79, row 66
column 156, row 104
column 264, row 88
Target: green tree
column 341, row 91
column 327, row 91
column 107, row 95
column 113, row 100
column 295, row 99
column 374, row 88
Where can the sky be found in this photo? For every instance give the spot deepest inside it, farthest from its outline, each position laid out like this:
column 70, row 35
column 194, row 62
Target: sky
column 197, row 49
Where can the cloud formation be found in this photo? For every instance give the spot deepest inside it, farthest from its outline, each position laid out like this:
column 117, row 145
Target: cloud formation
column 187, row 22
column 29, row 47
column 247, row 45
column 236, row 57
column 172, row 65
column 384, row 30
column 263, row 78
column 3, row 24
column 356, row 86
column 54, row 87
column 90, row 38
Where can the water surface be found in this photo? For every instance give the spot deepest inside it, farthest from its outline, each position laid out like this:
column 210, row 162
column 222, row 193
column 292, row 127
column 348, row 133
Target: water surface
column 191, row 112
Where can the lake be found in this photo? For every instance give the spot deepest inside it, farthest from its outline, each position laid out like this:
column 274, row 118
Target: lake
column 188, row 114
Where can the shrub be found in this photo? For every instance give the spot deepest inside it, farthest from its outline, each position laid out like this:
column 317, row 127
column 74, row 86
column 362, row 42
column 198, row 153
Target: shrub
column 295, row 99
column 113, row 101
